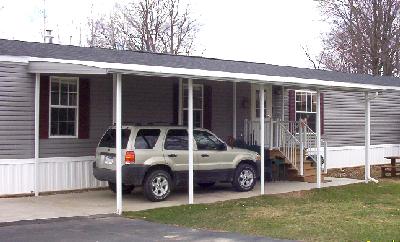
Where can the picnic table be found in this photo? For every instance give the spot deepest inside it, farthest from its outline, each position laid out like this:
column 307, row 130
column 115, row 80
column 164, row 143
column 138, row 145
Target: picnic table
column 393, row 168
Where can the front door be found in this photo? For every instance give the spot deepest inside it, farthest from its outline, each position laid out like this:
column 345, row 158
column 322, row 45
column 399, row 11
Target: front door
column 256, row 111
column 255, row 102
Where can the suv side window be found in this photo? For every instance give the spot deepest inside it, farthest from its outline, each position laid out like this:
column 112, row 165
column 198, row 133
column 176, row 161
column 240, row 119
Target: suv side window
column 146, row 138
column 207, row 141
column 176, row 139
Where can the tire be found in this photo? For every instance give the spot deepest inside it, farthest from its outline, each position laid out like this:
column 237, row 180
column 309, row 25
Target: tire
column 206, row 184
column 244, row 178
column 126, row 189
column 157, row 185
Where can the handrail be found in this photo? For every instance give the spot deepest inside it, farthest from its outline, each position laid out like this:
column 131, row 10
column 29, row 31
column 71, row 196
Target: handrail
column 288, row 137
column 289, row 145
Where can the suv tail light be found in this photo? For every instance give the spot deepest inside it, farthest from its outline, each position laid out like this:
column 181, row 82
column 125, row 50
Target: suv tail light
column 130, row 157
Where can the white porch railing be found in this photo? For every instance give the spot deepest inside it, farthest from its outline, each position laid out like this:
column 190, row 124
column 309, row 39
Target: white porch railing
column 271, row 133
column 292, row 138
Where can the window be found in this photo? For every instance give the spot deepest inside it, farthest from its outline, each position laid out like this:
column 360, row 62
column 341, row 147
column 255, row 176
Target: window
column 207, row 141
column 198, row 105
column 177, row 139
column 146, row 138
column 63, row 107
column 108, row 140
column 306, row 107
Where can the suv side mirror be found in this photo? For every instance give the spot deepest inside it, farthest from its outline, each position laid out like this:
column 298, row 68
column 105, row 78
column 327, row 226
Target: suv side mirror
column 222, row 147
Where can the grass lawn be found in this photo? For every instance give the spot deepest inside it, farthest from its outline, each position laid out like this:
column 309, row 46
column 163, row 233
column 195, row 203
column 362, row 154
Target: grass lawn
column 358, row 212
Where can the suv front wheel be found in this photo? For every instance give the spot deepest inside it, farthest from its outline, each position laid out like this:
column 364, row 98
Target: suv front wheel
column 157, row 185
column 244, row 178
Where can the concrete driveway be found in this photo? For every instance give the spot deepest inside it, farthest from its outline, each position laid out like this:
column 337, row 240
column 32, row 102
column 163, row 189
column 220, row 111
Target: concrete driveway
column 103, row 201
column 106, row 228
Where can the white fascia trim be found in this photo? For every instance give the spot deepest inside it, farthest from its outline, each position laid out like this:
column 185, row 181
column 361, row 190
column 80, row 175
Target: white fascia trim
column 14, row 59
column 212, row 75
column 46, row 160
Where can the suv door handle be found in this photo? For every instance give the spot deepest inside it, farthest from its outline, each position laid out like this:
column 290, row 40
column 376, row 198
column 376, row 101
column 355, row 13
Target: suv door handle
column 205, row 155
column 172, row 155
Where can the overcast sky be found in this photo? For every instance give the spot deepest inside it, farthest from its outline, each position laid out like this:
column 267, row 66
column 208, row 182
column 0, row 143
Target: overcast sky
column 251, row 30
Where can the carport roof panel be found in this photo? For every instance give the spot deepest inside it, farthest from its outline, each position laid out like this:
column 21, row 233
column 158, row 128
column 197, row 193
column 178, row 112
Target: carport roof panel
column 67, row 52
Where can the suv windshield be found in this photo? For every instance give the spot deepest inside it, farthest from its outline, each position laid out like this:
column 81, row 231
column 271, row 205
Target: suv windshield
column 108, row 139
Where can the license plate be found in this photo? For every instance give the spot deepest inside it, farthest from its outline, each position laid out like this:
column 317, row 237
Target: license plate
column 108, row 160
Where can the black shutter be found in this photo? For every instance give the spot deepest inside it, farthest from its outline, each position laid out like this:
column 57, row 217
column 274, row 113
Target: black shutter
column 207, row 119
column 44, row 107
column 84, row 109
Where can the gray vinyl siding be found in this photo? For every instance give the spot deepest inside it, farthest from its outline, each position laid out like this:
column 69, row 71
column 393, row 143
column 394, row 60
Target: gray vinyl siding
column 100, row 119
column 243, row 107
column 147, row 100
column 344, row 118
column 222, row 109
column 385, row 118
column 17, row 113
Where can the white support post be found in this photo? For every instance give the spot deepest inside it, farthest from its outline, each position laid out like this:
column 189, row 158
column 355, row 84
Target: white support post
column 301, row 130
column 118, row 148
column 262, row 138
column 318, row 129
column 114, row 90
column 234, row 111
column 283, row 104
column 190, row 131
column 37, row 106
column 367, row 136
column 325, row 157
column 180, row 108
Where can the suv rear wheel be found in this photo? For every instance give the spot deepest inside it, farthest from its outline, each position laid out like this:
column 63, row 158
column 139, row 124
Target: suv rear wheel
column 157, row 185
column 126, row 189
column 244, row 178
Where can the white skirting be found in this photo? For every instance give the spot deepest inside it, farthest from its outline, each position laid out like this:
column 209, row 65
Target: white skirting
column 350, row 156
column 55, row 174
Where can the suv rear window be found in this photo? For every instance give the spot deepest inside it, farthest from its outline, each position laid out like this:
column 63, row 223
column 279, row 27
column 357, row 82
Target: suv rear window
column 146, row 138
column 177, row 139
column 108, row 139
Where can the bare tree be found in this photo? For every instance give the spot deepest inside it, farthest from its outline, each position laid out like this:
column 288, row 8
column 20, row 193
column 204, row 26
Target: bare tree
column 164, row 26
column 314, row 61
column 364, row 37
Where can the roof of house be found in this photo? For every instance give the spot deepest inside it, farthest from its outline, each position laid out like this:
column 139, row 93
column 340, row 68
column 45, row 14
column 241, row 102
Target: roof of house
column 68, row 52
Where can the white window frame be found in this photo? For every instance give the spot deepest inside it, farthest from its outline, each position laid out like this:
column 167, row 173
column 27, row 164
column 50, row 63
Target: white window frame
column 61, row 79
column 182, row 110
column 268, row 99
column 295, row 102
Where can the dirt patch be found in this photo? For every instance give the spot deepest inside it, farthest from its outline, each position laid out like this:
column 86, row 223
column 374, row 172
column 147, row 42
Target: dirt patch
column 357, row 172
